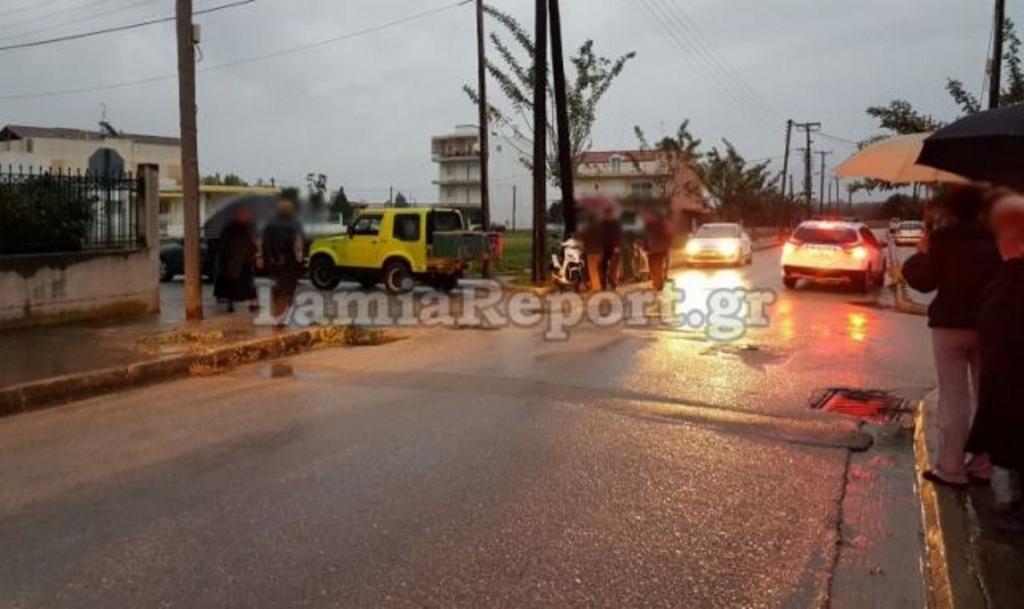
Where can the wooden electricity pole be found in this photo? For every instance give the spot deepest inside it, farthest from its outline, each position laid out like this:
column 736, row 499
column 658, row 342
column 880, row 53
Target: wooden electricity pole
column 481, row 58
column 996, row 75
column 540, row 144
column 189, row 159
column 785, row 159
column 821, row 192
column 565, row 161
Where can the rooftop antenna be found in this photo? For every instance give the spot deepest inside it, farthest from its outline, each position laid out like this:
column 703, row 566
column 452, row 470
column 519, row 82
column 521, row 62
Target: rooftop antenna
column 105, row 126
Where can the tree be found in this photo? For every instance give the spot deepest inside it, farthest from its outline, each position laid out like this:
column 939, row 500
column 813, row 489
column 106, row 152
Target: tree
column 555, row 212
column 738, row 190
column 900, row 117
column 340, row 205
column 316, row 183
column 681, row 155
column 1013, row 88
column 902, row 206
column 401, row 200
column 290, row 193
column 594, row 75
column 229, row 179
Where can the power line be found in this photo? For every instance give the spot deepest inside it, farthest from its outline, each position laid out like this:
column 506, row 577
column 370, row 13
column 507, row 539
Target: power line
column 63, row 11
column 713, row 78
column 718, row 59
column 119, row 28
column 841, row 140
column 684, row 41
column 249, row 60
column 78, row 20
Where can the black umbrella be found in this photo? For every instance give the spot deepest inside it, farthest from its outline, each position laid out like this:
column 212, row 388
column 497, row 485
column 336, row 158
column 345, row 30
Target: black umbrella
column 260, row 207
column 986, row 147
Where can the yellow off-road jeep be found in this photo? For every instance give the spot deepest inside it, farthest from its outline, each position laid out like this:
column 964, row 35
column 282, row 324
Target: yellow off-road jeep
column 399, row 247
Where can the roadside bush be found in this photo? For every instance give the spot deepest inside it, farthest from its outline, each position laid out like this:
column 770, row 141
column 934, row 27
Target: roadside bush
column 43, row 214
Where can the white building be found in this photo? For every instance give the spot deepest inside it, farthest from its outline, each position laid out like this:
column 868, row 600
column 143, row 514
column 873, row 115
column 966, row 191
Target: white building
column 633, row 176
column 78, row 150
column 457, row 156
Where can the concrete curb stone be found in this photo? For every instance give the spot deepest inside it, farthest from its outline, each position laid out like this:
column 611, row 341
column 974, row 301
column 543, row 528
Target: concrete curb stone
column 950, row 574
column 55, row 391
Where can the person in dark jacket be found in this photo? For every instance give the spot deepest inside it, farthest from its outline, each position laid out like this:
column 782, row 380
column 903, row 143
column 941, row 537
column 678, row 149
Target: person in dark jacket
column 602, row 241
column 958, row 261
column 658, row 243
column 236, row 262
column 999, row 425
column 283, row 255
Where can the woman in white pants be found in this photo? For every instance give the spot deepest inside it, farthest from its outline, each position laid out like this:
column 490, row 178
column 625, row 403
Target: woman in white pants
column 958, row 261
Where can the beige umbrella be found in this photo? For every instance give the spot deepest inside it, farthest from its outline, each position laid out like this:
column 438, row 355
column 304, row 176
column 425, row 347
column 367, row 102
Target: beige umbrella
column 895, row 160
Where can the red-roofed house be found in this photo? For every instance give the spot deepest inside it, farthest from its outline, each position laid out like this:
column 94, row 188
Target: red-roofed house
column 632, row 176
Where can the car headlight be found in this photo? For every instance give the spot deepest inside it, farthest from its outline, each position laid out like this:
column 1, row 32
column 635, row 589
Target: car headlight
column 730, row 247
column 692, row 247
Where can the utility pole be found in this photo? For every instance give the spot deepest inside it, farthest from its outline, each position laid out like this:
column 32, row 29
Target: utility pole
column 189, row 158
column 540, row 144
column 839, row 197
column 821, row 192
column 808, row 187
column 485, row 151
column 565, row 161
column 785, row 159
column 791, row 190
column 514, row 193
column 996, row 72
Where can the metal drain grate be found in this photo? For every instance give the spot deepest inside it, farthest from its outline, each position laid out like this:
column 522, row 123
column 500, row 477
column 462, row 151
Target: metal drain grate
column 866, row 405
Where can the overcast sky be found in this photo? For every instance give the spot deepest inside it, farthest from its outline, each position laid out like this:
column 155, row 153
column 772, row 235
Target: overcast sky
column 363, row 110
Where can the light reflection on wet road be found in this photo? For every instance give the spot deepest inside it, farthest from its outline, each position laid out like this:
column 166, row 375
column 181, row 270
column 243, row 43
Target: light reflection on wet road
column 468, row 468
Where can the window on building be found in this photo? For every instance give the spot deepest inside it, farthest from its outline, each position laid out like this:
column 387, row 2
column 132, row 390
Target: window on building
column 616, row 165
column 643, row 190
column 407, row 227
column 30, row 146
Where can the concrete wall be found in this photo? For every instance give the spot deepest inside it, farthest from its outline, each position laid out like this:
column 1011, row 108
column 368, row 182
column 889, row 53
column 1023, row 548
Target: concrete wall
column 54, row 288
column 49, row 289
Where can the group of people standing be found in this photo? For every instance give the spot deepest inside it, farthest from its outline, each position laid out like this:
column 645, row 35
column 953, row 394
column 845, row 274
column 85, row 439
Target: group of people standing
column 279, row 253
column 605, row 246
column 975, row 263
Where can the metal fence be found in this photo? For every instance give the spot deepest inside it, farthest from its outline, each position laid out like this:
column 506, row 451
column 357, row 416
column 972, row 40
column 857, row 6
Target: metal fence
column 43, row 211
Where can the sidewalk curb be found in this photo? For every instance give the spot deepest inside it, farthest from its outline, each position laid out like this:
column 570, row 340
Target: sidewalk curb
column 44, row 393
column 948, row 571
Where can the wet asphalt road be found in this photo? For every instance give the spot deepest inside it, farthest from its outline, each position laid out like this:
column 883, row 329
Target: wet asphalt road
column 625, row 467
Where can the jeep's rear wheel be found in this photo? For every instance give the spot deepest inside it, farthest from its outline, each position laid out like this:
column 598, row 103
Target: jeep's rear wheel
column 789, row 282
column 323, row 274
column 397, row 277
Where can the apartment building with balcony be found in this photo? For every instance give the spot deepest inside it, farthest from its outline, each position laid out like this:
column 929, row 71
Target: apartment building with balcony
column 457, row 155
column 635, row 176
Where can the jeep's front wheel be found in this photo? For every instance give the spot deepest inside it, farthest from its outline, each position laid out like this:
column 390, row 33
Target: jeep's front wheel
column 323, row 274
column 397, row 277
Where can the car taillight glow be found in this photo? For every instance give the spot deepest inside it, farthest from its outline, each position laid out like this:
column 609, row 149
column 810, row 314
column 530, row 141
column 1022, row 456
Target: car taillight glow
column 859, row 252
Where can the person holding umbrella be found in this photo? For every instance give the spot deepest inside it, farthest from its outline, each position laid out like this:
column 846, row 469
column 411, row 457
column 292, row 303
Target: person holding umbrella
column 236, row 261
column 1000, row 421
column 283, row 255
column 958, row 261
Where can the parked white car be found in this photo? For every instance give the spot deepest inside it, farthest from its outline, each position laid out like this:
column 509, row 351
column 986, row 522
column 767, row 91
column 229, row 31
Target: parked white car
column 720, row 243
column 834, row 252
column 909, row 233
